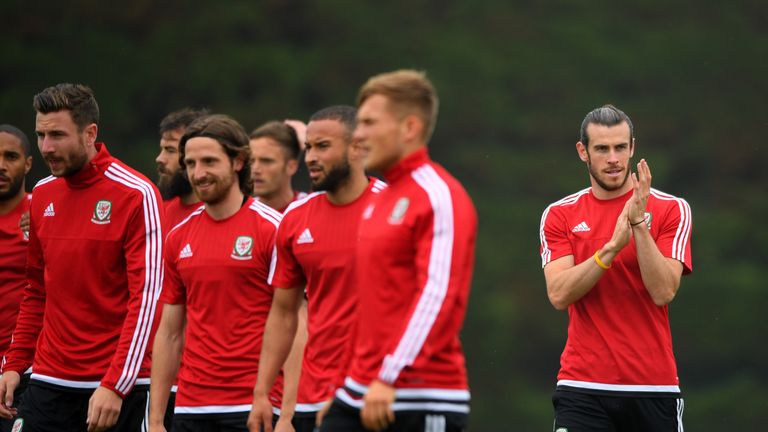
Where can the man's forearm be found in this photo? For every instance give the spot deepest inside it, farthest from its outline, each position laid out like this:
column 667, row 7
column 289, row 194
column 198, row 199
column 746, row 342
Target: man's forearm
column 660, row 277
column 278, row 338
column 166, row 356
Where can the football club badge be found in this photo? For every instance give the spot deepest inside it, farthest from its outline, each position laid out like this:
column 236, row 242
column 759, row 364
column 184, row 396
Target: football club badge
column 243, row 248
column 102, row 212
column 398, row 212
column 18, row 425
column 648, row 217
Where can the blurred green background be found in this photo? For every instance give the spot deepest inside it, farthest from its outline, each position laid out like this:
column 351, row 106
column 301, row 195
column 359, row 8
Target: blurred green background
column 515, row 80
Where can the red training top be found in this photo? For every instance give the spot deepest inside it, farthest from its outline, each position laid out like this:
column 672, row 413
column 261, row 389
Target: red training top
column 619, row 340
column 218, row 269
column 95, row 273
column 13, row 266
column 414, row 269
column 316, row 244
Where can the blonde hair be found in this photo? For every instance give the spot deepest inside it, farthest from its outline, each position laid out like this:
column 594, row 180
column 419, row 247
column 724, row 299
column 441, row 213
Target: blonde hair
column 409, row 92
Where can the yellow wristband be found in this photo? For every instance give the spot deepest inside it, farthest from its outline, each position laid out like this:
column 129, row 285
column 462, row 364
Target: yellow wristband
column 600, row 263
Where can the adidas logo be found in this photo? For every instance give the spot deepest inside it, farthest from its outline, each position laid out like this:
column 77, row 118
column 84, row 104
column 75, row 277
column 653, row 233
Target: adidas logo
column 186, row 251
column 305, row 237
column 582, row 227
column 49, row 211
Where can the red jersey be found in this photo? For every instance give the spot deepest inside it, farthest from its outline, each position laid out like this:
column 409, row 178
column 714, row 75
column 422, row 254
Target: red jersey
column 95, row 272
column 414, row 269
column 619, row 340
column 218, row 269
column 13, row 266
column 176, row 211
column 316, row 244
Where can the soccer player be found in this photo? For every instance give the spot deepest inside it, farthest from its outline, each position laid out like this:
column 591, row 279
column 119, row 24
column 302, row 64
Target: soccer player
column 275, row 148
column 180, row 201
column 216, row 293
column 414, row 267
column 316, row 244
column 15, row 163
column 94, row 274
column 613, row 255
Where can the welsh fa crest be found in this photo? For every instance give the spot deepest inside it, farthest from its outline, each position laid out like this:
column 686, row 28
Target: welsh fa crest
column 648, row 217
column 101, row 212
column 398, row 212
column 18, row 425
column 243, row 248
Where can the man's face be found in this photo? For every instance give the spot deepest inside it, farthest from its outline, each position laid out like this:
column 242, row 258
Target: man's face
column 168, row 159
column 378, row 133
column 327, row 154
column 271, row 169
column 171, row 180
column 13, row 166
column 210, row 171
column 608, row 155
column 63, row 146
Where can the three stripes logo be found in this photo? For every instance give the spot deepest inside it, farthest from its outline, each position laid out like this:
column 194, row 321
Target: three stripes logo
column 305, row 237
column 581, row 227
column 186, row 251
column 49, row 211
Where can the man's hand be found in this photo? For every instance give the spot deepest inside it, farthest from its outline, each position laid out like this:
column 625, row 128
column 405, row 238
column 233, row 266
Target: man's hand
column 621, row 233
column 157, row 427
column 8, row 384
column 284, row 425
column 641, row 182
column 261, row 414
column 103, row 409
column 24, row 223
column 323, row 411
column 377, row 411
column 301, row 131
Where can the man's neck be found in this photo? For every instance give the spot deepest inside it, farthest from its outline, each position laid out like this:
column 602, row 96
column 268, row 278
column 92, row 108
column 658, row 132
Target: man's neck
column 350, row 190
column 7, row 206
column 279, row 200
column 189, row 199
column 603, row 194
column 228, row 206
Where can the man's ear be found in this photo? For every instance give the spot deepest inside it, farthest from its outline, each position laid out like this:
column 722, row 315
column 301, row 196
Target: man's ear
column 581, row 149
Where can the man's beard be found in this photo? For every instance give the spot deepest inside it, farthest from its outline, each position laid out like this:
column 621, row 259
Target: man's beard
column 15, row 185
column 337, row 176
column 595, row 175
column 173, row 186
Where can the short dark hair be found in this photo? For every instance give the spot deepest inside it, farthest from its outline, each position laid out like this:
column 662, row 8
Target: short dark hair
column 233, row 139
column 281, row 133
column 606, row 115
column 181, row 118
column 344, row 114
column 13, row 130
column 76, row 98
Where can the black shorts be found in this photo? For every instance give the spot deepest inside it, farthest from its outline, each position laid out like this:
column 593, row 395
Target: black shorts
column 229, row 422
column 582, row 412
column 7, row 424
column 343, row 418
column 47, row 407
column 304, row 422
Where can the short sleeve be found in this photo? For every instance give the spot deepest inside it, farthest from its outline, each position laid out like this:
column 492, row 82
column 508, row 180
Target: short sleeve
column 286, row 270
column 674, row 239
column 554, row 237
column 173, row 287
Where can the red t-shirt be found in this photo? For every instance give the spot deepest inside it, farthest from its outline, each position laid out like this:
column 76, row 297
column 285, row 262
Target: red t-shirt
column 618, row 338
column 176, row 211
column 316, row 244
column 13, row 262
column 414, row 269
column 218, row 269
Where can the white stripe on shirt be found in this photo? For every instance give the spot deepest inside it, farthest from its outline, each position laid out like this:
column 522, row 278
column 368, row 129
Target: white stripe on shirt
column 153, row 273
column 438, row 275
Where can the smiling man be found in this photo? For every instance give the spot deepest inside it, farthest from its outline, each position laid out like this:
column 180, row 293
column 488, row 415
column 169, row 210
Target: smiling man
column 94, row 275
column 613, row 255
column 216, row 293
